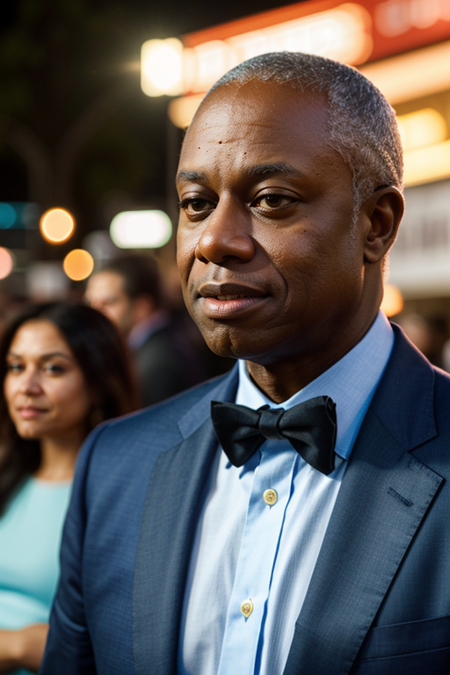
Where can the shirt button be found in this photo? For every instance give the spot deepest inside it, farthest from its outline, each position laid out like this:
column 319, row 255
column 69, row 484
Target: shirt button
column 247, row 608
column 270, row 496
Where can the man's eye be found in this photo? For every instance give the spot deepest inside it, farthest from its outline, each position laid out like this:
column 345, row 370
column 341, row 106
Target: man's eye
column 192, row 206
column 273, row 201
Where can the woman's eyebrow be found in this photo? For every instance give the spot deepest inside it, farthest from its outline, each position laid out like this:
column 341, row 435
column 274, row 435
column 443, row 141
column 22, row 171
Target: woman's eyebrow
column 50, row 355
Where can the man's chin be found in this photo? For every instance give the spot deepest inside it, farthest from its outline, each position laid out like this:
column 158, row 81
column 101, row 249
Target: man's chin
column 234, row 349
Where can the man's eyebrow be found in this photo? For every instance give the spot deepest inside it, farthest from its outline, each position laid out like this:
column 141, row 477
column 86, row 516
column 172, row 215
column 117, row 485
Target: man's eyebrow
column 185, row 176
column 271, row 169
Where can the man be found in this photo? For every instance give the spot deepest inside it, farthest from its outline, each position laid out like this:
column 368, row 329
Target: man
column 180, row 558
column 128, row 291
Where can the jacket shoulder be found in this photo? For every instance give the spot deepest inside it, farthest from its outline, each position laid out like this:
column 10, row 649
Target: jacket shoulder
column 156, row 426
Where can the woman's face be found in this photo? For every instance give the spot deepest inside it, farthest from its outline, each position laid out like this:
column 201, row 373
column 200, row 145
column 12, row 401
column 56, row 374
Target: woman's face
column 45, row 389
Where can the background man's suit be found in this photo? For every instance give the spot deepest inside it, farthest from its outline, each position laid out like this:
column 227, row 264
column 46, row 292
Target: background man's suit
column 166, row 364
column 379, row 599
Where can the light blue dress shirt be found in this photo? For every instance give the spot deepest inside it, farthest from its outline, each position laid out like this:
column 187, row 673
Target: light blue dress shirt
column 248, row 550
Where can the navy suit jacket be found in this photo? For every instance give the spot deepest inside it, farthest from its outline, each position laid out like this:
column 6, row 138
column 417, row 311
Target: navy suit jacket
column 379, row 598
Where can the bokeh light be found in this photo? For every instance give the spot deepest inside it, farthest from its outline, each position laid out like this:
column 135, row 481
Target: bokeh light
column 392, row 300
column 182, row 110
column 57, row 226
column 422, row 127
column 141, row 229
column 426, row 165
column 7, row 216
column 6, row 263
column 161, row 67
column 78, row 264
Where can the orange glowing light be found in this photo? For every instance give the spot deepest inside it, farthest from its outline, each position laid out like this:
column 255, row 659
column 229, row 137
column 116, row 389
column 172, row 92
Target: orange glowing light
column 428, row 164
column 412, row 75
column 182, row 110
column 57, row 226
column 392, row 300
column 341, row 33
column 78, row 264
column 421, row 128
column 6, row 263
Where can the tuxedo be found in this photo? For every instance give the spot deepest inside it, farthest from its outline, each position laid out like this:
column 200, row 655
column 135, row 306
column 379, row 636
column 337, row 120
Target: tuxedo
column 379, row 597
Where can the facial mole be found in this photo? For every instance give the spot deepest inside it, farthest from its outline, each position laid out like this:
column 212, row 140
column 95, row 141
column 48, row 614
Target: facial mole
column 220, row 142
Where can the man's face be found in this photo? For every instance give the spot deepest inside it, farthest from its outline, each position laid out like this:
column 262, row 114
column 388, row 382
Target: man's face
column 270, row 267
column 105, row 293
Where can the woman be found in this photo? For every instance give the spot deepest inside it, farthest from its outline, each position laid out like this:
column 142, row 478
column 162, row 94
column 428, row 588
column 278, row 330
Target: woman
column 64, row 369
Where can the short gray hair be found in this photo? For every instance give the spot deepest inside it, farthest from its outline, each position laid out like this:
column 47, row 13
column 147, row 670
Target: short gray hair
column 362, row 125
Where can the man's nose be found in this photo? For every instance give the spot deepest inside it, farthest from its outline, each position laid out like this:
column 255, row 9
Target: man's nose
column 227, row 234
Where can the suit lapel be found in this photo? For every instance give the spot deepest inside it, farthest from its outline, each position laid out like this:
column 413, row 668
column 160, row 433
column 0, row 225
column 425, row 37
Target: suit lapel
column 384, row 497
column 174, row 498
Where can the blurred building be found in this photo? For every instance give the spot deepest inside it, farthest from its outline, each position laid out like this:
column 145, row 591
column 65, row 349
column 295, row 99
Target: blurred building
column 403, row 46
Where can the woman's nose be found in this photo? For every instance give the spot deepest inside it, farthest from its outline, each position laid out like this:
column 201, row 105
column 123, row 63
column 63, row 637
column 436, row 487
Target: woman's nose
column 29, row 383
column 226, row 235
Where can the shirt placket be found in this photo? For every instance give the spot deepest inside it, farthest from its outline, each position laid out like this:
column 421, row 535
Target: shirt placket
column 270, row 495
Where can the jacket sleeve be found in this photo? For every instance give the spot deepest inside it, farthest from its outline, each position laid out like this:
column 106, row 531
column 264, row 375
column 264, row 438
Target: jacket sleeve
column 69, row 648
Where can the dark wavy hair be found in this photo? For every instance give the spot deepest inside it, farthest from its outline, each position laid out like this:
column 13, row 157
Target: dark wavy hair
column 102, row 355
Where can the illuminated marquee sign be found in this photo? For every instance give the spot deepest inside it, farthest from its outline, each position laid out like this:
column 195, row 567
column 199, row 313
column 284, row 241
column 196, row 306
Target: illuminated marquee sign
column 342, row 34
column 351, row 32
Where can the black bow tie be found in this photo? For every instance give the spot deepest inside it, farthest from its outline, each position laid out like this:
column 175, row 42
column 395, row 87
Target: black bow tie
column 310, row 427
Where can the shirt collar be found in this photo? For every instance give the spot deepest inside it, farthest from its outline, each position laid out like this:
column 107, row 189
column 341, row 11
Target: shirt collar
column 351, row 383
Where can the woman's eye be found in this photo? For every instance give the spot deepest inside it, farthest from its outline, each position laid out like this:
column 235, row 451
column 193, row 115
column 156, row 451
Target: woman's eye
column 14, row 367
column 54, row 369
column 273, row 201
column 193, row 206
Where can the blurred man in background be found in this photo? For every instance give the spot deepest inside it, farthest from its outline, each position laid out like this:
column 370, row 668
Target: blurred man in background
column 128, row 290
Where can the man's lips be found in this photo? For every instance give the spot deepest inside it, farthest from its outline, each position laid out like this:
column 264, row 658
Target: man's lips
column 229, row 291
column 229, row 300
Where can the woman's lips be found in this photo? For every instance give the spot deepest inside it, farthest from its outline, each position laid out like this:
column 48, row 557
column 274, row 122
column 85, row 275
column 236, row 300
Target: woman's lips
column 31, row 413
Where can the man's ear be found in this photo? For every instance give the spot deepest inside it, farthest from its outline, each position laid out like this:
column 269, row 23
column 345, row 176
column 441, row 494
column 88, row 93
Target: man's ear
column 383, row 212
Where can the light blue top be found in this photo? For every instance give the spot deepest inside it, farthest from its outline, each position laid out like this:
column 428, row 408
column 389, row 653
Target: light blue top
column 30, row 536
column 245, row 548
